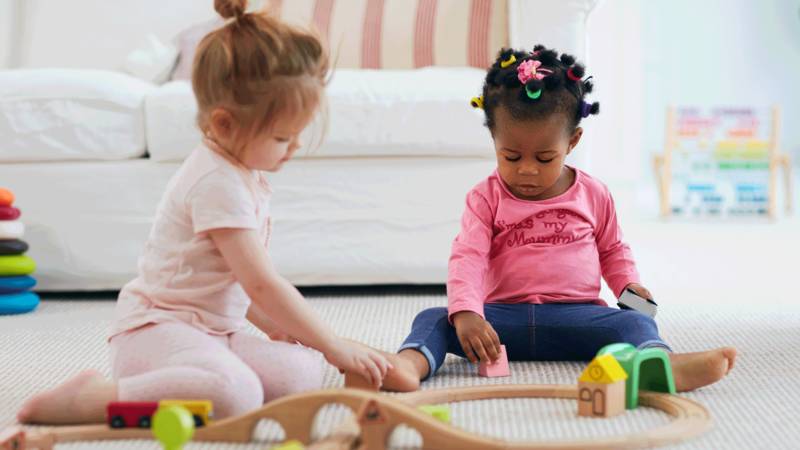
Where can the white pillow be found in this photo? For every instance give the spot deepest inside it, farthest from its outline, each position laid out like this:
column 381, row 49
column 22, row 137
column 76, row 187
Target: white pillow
column 71, row 114
column 423, row 112
column 153, row 61
column 171, row 112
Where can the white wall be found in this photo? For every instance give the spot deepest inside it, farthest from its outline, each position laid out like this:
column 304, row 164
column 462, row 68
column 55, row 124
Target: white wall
column 100, row 33
column 646, row 55
column 7, row 13
column 615, row 60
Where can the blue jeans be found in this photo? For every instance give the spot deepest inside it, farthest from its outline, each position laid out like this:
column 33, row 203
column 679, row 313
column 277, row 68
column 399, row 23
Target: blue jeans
column 547, row 332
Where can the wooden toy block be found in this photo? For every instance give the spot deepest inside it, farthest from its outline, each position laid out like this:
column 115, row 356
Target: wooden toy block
column 496, row 369
column 648, row 369
column 12, row 439
column 601, row 388
column 439, row 412
column 290, row 445
column 173, row 426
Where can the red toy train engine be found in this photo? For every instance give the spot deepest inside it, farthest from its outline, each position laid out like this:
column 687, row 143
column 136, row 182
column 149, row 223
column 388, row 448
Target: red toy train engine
column 131, row 414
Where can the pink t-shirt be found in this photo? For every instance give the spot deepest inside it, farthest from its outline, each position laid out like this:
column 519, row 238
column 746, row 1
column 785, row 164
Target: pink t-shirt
column 549, row 251
column 182, row 274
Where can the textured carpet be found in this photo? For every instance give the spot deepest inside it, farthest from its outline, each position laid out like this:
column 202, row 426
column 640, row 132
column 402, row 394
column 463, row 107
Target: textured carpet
column 755, row 407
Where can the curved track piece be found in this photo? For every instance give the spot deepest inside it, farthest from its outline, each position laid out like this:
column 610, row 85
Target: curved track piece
column 378, row 415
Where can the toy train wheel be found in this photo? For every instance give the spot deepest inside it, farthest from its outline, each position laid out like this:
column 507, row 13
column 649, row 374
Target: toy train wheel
column 145, row 422
column 117, row 422
column 198, row 421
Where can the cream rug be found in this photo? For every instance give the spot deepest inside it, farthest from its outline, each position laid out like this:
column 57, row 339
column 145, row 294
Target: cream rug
column 755, row 407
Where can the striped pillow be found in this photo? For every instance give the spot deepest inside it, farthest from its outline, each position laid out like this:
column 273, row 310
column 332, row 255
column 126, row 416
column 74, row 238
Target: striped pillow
column 403, row 34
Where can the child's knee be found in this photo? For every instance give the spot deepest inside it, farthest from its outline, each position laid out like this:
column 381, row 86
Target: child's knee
column 637, row 327
column 304, row 371
column 431, row 315
column 235, row 392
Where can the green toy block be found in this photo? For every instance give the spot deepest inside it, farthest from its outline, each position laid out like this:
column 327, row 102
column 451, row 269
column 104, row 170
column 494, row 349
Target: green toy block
column 439, row 412
column 648, row 369
column 290, row 445
column 173, row 426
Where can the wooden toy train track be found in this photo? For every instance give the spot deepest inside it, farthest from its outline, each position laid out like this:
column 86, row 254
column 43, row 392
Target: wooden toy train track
column 378, row 414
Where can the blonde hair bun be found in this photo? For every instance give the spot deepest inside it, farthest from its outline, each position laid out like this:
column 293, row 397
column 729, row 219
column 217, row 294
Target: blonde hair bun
column 230, row 8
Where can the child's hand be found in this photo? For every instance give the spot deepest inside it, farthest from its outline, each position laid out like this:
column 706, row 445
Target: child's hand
column 477, row 337
column 640, row 290
column 360, row 359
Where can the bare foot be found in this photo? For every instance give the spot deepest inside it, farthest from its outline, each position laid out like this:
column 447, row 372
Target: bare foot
column 81, row 399
column 695, row 370
column 403, row 377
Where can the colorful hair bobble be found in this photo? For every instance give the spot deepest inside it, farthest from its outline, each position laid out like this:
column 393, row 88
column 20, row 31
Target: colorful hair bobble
column 530, row 70
column 575, row 73
column 533, row 89
column 508, row 61
column 588, row 109
column 477, row 102
column 533, row 95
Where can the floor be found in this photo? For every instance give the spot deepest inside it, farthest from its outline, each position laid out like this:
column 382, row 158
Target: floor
column 755, row 407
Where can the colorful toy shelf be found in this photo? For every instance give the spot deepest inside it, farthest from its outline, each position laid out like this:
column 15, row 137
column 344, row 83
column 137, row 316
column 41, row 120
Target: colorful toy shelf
column 722, row 163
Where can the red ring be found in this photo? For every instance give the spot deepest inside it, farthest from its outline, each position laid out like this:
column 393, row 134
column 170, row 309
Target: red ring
column 572, row 76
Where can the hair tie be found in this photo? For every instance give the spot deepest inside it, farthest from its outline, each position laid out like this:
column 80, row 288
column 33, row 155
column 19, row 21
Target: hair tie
column 511, row 60
column 533, row 95
column 586, row 109
column 572, row 76
column 531, row 70
column 477, row 102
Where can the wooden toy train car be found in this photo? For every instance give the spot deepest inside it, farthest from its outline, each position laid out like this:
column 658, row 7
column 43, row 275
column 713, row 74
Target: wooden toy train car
column 140, row 414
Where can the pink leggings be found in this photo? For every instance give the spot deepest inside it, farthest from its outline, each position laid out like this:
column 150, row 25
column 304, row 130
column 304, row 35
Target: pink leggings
column 238, row 372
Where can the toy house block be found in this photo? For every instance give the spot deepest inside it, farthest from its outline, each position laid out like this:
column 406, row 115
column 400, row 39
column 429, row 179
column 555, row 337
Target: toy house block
column 601, row 388
column 497, row 369
column 439, row 412
column 648, row 369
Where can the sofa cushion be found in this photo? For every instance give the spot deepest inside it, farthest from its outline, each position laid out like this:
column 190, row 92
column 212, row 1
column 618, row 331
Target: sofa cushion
column 71, row 114
column 422, row 112
column 403, row 34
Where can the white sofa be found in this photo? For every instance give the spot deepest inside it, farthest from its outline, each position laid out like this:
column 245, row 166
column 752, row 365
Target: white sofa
column 88, row 151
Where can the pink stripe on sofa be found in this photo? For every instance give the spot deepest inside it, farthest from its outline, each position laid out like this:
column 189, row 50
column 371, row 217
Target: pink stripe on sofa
column 371, row 40
column 323, row 10
column 423, row 33
column 480, row 16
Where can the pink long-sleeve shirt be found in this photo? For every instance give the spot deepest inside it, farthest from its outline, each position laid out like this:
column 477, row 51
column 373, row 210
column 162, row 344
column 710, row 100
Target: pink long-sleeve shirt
column 549, row 251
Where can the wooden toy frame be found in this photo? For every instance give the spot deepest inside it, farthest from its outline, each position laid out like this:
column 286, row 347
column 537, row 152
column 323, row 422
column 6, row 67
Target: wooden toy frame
column 379, row 414
column 662, row 164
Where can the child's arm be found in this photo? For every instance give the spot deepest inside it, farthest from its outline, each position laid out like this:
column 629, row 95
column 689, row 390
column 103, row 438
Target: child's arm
column 286, row 307
column 469, row 262
column 616, row 257
column 262, row 321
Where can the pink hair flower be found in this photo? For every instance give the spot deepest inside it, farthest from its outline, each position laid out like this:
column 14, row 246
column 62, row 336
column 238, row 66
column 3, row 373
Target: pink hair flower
column 529, row 70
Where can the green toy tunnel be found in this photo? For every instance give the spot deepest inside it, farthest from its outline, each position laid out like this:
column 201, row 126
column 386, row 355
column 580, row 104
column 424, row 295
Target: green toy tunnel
column 648, row 369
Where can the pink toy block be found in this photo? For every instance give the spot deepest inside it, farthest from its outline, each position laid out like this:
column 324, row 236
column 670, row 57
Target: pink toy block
column 498, row 369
